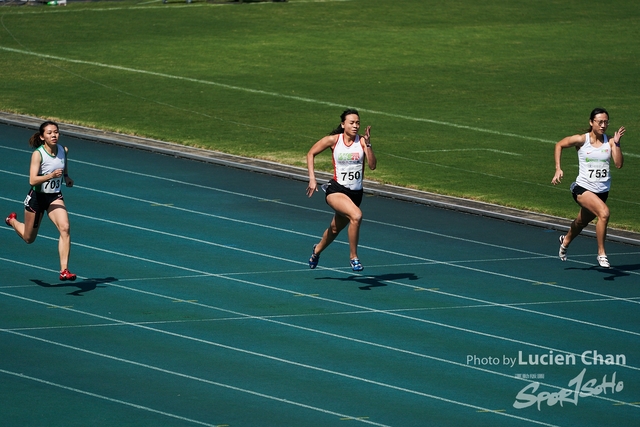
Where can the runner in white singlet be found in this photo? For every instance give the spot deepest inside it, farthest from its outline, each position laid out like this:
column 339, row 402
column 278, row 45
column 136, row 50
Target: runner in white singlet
column 47, row 171
column 344, row 192
column 594, row 174
column 49, row 164
column 348, row 163
column 591, row 189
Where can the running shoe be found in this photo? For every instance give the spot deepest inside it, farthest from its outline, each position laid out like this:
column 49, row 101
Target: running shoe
column 11, row 216
column 355, row 265
column 603, row 261
column 562, row 253
column 313, row 260
column 67, row 275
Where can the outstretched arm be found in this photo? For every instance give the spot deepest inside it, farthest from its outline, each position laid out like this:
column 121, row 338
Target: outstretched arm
column 317, row 148
column 569, row 141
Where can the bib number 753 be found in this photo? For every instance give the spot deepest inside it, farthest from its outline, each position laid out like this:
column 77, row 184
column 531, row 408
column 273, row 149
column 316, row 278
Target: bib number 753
column 597, row 174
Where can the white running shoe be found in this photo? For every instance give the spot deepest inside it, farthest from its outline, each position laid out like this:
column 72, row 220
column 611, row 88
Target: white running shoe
column 562, row 253
column 603, row 261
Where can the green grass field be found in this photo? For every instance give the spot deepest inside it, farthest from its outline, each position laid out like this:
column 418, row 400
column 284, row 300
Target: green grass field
column 464, row 97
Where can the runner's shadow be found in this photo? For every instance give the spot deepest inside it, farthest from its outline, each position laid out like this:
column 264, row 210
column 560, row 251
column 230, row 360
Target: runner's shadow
column 370, row 282
column 613, row 272
column 620, row 271
column 84, row 285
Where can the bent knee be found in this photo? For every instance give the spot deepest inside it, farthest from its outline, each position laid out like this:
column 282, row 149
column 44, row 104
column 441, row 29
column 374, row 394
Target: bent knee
column 64, row 229
column 602, row 213
column 355, row 215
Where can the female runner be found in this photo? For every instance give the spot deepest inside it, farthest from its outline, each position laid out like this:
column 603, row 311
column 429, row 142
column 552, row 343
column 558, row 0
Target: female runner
column 47, row 171
column 343, row 192
column 591, row 189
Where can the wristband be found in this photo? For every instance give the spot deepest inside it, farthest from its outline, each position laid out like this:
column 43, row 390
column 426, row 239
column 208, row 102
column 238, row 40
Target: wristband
column 617, row 144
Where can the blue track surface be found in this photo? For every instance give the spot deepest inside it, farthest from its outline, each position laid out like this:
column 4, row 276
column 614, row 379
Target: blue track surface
column 194, row 305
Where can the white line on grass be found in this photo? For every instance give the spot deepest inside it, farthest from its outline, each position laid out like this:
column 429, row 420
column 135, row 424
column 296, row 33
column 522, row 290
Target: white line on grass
column 251, row 353
column 275, row 94
column 144, row 6
column 549, row 186
column 452, row 150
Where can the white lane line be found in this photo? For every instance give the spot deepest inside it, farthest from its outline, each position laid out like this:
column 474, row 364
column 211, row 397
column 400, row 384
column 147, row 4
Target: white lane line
column 451, row 264
column 165, row 371
column 379, row 311
column 271, row 319
column 251, row 353
column 109, row 399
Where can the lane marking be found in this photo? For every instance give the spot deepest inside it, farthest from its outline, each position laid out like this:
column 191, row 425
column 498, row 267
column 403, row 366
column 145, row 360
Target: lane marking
column 108, row 399
column 256, row 354
column 262, row 199
column 169, row 372
column 378, row 311
column 457, row 296
column 351, row 339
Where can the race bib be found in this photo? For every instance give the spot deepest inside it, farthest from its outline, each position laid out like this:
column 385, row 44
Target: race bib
column 597, row 171
column 350, row 176
column 52, row 186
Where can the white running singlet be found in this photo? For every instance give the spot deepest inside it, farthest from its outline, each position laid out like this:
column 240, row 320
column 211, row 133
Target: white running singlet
column 348, row 163
column 49, row 164
column 594, row 166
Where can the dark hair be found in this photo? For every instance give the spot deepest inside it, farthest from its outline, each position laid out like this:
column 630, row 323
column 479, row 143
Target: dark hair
column 593, row 115
column 35, row 141
column 597, row 111
column 343, row 117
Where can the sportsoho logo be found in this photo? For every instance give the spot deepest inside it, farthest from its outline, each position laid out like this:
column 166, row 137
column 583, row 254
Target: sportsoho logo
column 580, row 386
column 576, row 389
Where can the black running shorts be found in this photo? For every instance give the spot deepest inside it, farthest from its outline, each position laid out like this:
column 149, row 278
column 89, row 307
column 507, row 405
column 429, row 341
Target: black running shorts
column 576, row 190
column 334, row 187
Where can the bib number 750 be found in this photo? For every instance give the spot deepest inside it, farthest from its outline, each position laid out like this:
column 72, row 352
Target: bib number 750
column 351, row 176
